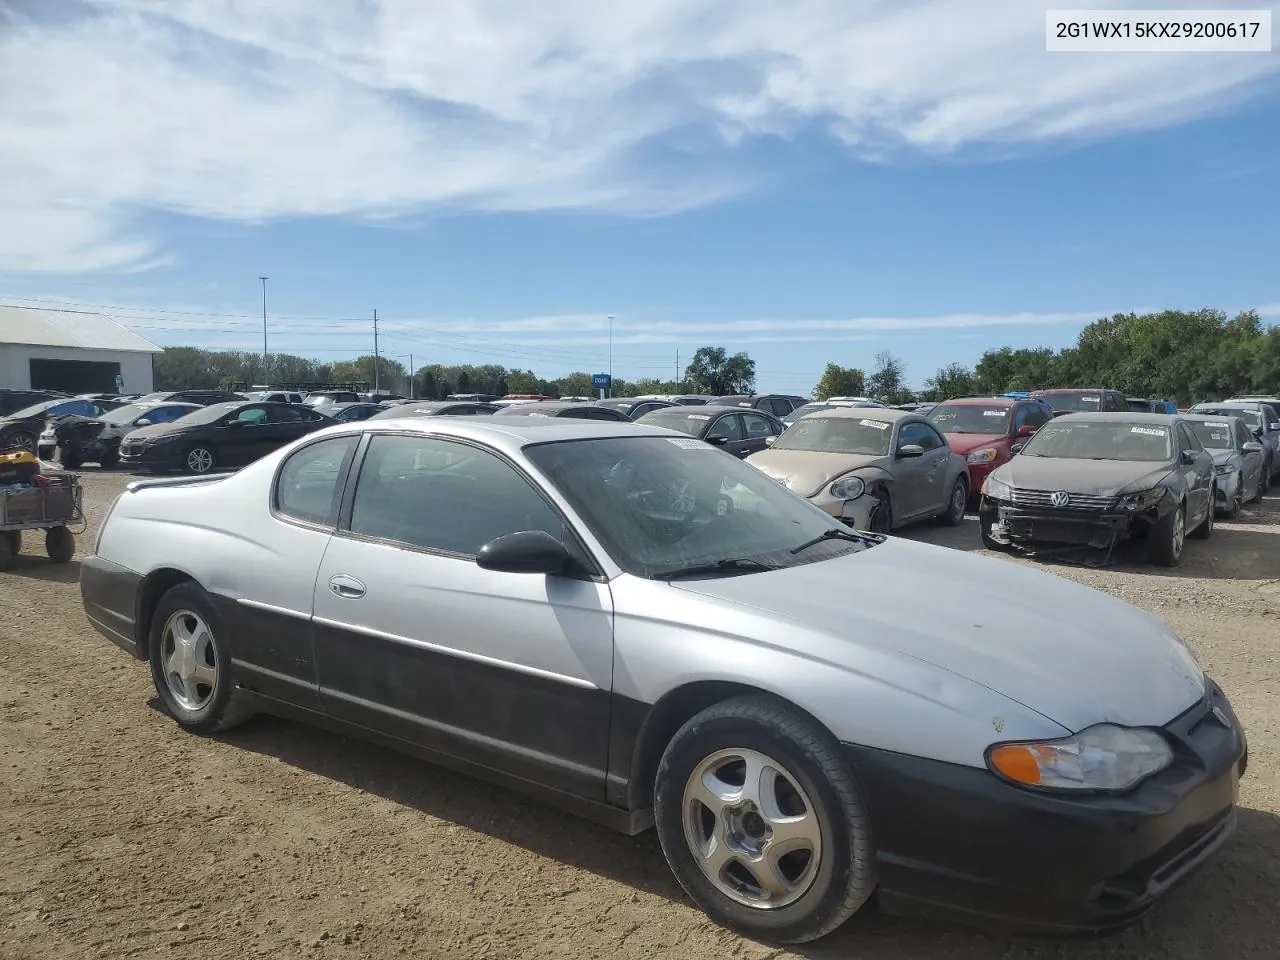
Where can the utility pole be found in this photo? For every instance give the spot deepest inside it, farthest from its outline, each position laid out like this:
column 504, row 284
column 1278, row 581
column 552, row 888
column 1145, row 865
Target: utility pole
column 266, row 380
column 676, row 381
column 413, row 385
column 375, row 350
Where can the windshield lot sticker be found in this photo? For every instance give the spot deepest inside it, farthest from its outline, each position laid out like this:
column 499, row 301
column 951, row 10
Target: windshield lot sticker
column 698, row 416
column 993, row 413
column 1220, row 426
column 1148, row 431
column 685, row 444
column 1090, row 399
column 874, row 423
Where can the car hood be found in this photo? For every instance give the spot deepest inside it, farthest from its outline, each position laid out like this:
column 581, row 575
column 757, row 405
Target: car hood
column 806, row 472
column 968, row 442
column 1075, row 655
column 1085, row 477
column 155, row 430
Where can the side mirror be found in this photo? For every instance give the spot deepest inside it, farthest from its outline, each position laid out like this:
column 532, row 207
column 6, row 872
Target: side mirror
column 144, row 422
column 769, row 441
column 233, row 424
column 1025, row 430
column 529, row 551
column 1188, row 456
column 1251, row 447
column 717, row 439
column 910, row 451
column 1257, row 432
column 1274, row 426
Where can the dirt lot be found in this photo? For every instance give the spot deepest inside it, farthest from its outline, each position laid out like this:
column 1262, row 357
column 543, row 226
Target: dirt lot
column 120, row 836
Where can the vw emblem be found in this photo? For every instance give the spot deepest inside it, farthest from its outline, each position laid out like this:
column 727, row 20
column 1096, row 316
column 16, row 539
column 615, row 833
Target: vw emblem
column 1059, row 498
column 1221, row 717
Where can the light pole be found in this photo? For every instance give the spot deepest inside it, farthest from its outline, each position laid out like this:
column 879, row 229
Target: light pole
column 611, row 356
column 266, row 380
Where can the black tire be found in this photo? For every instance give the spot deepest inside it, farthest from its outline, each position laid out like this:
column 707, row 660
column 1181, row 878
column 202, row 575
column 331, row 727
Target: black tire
column 1165, row 546
column 7, row 552
column 984, row 530
column 881, row 519
column 199, row 459
column 1237, row 502
column 59, row 544
column 957, row 504
column 845, row 875
column 15, row 541
column 22, row 440
column 223, row 709
column 1205, row 530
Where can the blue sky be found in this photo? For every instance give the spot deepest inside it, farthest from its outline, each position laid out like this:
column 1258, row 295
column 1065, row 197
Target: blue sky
column 809, row 184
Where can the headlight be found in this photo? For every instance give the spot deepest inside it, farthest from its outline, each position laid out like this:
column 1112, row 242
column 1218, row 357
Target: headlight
column 1105, row 757
column 849, row 488
column 1143, row 500
column 1223, row 469
column 985, row 455
column 996, row 488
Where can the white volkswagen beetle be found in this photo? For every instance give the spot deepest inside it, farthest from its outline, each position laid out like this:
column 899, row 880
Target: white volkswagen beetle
column 583, row 611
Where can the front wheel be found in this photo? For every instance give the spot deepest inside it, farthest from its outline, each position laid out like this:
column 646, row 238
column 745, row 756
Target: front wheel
column 59, row 544
column 1237, row 502
column 21, row 441
column 200, row 459
column 762, row 821
column 1168, row 536
column 953, row 516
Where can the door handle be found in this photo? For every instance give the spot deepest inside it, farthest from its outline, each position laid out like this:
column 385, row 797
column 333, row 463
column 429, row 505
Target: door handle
column 349, row 588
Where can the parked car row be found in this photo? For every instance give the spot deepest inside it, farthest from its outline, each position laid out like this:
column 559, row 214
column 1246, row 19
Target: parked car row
column 624, row 620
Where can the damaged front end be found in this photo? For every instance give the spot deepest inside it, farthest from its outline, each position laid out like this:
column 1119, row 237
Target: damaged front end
column 1079, row 528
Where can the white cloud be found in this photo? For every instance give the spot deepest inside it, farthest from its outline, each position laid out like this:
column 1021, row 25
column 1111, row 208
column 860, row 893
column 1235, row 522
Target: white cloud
column 248, row 110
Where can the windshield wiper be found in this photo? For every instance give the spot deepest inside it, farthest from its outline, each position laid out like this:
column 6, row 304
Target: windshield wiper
column 835, row 533
column 730, row 565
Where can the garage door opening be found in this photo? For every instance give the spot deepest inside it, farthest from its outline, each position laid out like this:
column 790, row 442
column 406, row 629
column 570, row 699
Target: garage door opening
column 74, row 376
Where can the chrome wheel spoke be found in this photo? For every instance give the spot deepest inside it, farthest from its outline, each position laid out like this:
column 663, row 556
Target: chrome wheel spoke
column 768, row 877
column 794, row 833
column 189, row 660
column 204, row 674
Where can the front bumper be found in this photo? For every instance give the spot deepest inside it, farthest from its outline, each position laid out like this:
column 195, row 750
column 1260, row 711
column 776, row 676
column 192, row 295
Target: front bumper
column 959, row 841
column 168, row 455
column 1226, row 487
column 855, row 513
column 1026, row 526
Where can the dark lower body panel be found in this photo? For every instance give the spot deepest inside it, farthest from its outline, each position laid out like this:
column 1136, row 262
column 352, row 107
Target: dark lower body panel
column 109, row 593
column 960, row 843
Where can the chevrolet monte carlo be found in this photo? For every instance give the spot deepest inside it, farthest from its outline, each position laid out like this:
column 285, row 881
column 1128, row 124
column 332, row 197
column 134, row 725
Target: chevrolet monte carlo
column 641, row 628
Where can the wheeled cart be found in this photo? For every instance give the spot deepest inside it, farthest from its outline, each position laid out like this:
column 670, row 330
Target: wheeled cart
column 53, row 504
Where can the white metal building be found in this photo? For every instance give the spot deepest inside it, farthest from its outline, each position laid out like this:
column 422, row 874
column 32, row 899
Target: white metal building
column 72, row 351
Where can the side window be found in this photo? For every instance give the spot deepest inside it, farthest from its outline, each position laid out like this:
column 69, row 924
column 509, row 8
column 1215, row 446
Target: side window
column 1022, row 417
column 777, row 406
column 252, row 415
column 936, row 441
column 1242, row 433
column 729, row 427
column 1189, row 441
column 757, row 426
column 165, row 414
column 307, row 488
column 1038, row 415
column 287, row 414
column 606, row 413
column 441, row 495
column 913, row 433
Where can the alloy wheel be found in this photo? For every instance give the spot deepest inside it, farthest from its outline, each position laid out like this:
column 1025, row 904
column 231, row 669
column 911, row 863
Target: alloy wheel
column 199, row 460
column 1179, row 530
column 752, row 830
column 189, row 659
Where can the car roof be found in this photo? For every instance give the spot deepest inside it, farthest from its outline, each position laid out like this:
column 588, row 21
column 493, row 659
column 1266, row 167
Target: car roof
column 1131, row 416
column 1238, row 404
column 1038, row 393
column 984, row 401
column 542, row 408
column 883, row 414
column 508, row 434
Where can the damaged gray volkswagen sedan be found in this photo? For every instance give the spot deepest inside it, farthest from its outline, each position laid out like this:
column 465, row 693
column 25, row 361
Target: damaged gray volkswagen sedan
column 641, row 628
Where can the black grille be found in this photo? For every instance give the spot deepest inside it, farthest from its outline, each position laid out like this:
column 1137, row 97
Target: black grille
column 1077, row 502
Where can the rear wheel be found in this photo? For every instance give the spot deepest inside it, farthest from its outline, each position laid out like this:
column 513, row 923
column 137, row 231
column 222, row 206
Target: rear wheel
column 762, row 822
column 1167, row 537
column 59, row 544
column 22, row 441
column 8, row 551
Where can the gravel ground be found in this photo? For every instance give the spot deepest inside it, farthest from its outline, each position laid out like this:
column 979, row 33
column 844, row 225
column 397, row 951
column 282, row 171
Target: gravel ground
column 120, row 836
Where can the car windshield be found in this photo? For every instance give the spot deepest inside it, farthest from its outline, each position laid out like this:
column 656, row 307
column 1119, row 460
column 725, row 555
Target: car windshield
column 659, row 505
column 684, row 420
column 1214, row 434
column 807, row 409
column 1073, row 402
column 1108, row 440
column 859, row 435
column 209, row 414
column 126, row 414
column 36, row 409
column 1253, row 418
column 971, row 418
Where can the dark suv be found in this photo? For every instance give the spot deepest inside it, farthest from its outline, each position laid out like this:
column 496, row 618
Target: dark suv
column 1083, row 400
column 11, row 401
column 777, row 404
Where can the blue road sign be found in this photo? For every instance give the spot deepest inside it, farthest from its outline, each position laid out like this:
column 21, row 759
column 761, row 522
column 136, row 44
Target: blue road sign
column 601, row 381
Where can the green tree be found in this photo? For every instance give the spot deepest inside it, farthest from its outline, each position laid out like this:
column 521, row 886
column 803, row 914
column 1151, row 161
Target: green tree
column 838, row 381
column 953, row 380
column 888, row 382
column 713, row 371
